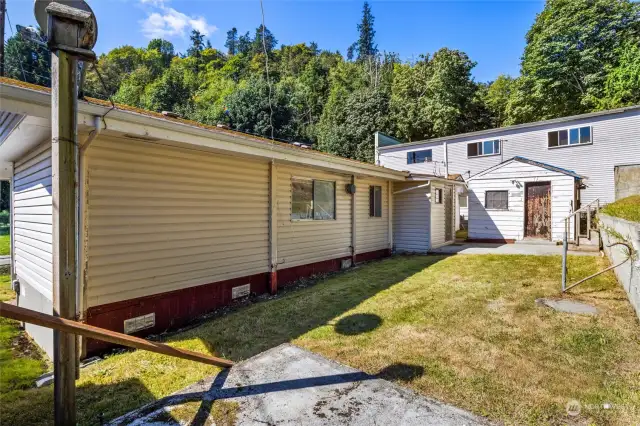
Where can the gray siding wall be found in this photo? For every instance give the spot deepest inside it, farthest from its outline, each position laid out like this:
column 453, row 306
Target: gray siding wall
column 411, row 218
column 616, row 141
column 32, row 218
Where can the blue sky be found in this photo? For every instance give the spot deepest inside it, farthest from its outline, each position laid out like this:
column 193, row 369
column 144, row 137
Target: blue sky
column 491, row 33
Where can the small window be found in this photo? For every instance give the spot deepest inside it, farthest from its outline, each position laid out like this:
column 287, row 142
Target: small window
column 313, row 199
column 438, row 194
column 424, row 156
column 567, row 137
column 585, row 134
column 462, row 200
column 477, row 149
column 375, row 201
column 497, row 200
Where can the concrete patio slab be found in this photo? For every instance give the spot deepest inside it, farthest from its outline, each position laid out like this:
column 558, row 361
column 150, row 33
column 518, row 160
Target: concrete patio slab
column 521, row 248
column 568, row 306
column 288, row 385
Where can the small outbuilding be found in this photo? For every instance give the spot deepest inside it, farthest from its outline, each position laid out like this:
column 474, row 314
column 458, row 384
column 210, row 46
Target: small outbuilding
column 522, row 199
column 424, row 212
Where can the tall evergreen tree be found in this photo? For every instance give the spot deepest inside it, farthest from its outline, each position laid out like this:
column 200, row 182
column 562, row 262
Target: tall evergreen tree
column 27, row 61
column 244, row 43
column 232, row 41
column 366, row 41
column 270, row 41
column 197, row 44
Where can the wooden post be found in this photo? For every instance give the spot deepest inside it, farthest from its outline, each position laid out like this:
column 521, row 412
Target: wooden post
column 273, row 227
column 353, row 221
column 64, row 95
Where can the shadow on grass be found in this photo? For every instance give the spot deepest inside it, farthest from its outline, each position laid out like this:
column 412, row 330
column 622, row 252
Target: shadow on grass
column 264, row 325
column 357, row 324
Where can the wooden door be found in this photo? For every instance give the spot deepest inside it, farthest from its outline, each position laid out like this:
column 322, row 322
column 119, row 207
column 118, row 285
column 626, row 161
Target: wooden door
column 537, row 213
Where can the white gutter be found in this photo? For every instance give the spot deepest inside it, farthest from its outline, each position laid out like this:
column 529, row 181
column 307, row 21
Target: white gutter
column 80, row 217
column 412, row 188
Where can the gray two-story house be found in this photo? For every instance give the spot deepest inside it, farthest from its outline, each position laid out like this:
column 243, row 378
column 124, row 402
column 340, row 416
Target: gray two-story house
column 600, row 147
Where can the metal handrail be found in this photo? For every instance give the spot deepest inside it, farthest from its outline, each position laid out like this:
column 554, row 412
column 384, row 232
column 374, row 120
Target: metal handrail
column 581, row 209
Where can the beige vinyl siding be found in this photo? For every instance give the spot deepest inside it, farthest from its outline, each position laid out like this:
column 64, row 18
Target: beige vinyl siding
column 307, row 241
column 163, row 218
column 372, row 233
column 32, row 210
column 411, row 217
column 509, row 224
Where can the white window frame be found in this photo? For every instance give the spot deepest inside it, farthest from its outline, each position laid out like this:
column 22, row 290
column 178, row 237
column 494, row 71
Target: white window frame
column 568, row 130
column 486, row 200
column 481, row 143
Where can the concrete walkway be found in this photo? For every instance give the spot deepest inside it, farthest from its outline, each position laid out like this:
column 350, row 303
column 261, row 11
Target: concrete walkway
column 5, row 260
column 288, row 385
column 520, row 248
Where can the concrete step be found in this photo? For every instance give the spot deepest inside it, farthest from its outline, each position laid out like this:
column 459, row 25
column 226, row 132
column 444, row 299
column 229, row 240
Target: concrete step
column 584, row 247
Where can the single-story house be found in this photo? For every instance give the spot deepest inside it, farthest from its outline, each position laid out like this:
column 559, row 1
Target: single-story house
column 175, row 218
column 521, row 198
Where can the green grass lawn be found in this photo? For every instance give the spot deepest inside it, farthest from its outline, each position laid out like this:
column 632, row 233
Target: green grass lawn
column 626, row 208
column 462, row 329
column 21, row 362
column 462, row 234
column 5, row 245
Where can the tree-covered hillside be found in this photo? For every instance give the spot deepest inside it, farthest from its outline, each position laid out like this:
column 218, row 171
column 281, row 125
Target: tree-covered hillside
column 580, row 56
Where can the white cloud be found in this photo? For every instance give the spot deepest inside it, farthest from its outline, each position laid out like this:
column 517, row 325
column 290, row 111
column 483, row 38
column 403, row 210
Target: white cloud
column 163, row 21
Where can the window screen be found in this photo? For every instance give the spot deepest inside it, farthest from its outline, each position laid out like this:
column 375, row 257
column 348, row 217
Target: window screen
column 324, row 200
column 462, row 200
column 375, row 201
column 301, row 199
column 424, row 156
column 497, row 200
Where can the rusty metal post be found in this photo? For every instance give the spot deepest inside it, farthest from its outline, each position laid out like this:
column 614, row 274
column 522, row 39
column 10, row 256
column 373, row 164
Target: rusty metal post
column 565, row 248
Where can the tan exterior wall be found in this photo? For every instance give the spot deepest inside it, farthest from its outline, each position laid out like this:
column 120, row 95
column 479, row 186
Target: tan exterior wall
column 372, row 233
column 307, row 241
column 162, row 218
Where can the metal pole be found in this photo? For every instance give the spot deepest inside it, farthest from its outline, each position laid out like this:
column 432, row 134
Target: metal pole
column 565, row 247
column 3, row 9
column 63, row 157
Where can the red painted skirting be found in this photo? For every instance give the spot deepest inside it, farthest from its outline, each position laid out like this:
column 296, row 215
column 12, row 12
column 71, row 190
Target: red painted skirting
column 489, row 240
column 173, row 309
column 372, row 255
column 176, row 308
column 288, row 276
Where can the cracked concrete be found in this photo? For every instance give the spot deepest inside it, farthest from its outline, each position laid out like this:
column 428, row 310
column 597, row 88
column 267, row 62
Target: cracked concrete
column 288, row 385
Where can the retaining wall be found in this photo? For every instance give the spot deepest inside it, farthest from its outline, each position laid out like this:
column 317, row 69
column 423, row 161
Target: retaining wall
column 616, row 229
